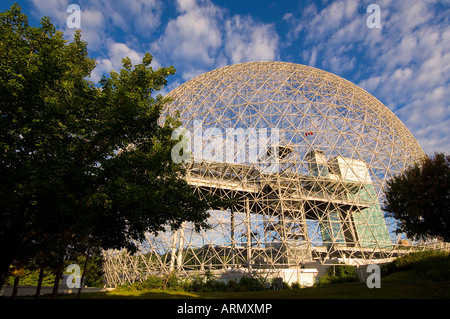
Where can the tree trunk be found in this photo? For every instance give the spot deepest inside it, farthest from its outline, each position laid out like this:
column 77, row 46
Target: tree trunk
column 84, row 272
column 58, row 276
column 7, row 259
column 3, row 276
column 39, row 285
column 16, row 284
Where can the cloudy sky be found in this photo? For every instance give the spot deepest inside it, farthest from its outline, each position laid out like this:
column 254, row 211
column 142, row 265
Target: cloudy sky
column 405, row 63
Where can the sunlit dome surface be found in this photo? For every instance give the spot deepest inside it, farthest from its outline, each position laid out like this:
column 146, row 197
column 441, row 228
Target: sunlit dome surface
column 344, row 119
column 304, row 153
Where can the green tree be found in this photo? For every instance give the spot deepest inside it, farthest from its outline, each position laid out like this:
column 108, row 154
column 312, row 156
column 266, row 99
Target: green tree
column 419, row 198
column 80, row 161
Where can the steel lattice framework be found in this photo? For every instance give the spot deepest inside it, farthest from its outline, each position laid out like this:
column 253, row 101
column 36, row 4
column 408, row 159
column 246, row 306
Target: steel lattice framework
column 304, row 153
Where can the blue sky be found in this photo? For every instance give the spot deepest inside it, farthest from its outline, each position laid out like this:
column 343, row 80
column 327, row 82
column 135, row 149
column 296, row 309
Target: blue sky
column 405, row 63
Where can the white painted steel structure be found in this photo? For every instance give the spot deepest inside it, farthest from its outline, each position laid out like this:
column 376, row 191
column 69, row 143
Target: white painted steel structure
column 305, row 154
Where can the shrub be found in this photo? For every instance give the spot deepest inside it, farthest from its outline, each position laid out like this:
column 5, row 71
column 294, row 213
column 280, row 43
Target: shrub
column 252, row 283
column 429, row 264
column 173, row 282
column 203, row 283
column 337, row 275
column 152, row 282
column 232, row 286
column 295, row 285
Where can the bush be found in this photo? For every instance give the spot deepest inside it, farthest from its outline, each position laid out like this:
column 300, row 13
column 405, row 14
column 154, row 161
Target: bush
column 200, row 284
column 204, row 283
column 252, row 283
column 152, row 282
column 295, row 285
column 337, row 275
column 173, row 282
column 430, row 265
column 156, row 282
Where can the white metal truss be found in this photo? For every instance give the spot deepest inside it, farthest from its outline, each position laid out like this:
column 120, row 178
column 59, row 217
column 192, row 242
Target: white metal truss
column 305, row 154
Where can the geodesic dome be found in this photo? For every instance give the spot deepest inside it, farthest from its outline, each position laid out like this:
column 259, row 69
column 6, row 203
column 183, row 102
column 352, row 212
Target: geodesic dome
column 304, row 153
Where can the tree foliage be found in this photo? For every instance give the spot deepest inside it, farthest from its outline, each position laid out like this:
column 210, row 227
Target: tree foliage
column 419, row 198
column 82, row 161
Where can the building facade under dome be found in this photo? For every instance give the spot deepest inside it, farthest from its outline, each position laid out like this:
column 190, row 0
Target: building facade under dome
column 304, row 153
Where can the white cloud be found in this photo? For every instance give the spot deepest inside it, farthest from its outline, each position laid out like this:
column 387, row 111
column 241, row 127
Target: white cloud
column 417, row 55
column 405, row 64
column 313, row 57
column 93, row 26
column 116, row 52
column 54, row 9
column 140, row 16
column 101, row 18
column 434, row 137
column 331, row 19
column 200, row 37
column 295, row 26
column 328, row 36
column 193, row 36
column 99, row 22
column 247, row 40
column 204, row 36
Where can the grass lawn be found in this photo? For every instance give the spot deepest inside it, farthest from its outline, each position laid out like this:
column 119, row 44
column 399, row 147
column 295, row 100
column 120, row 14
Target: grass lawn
column 401, row 285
